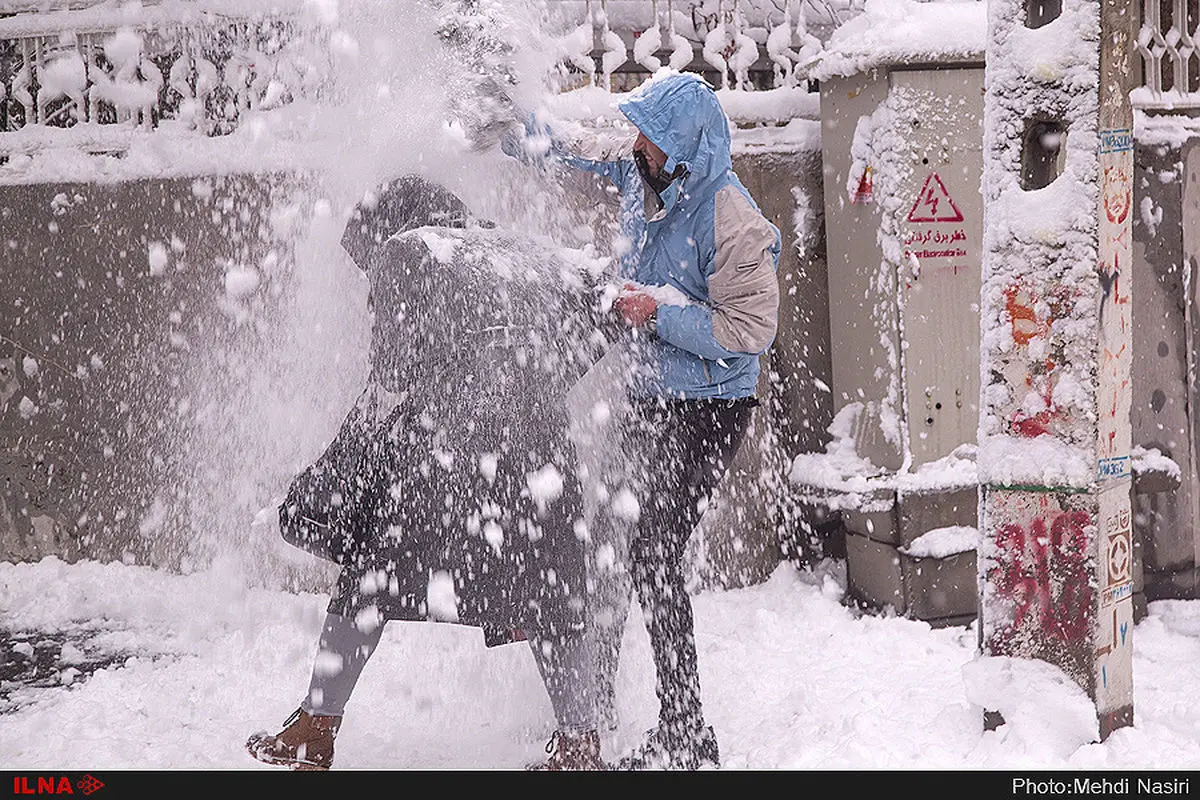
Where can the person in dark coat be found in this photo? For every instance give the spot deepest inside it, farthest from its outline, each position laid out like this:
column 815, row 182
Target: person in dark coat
column 450, row 492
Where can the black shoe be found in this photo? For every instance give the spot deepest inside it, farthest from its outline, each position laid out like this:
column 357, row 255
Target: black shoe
column 666, row 748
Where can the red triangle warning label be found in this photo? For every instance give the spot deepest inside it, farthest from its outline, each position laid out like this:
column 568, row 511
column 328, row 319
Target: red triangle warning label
column 934, row 203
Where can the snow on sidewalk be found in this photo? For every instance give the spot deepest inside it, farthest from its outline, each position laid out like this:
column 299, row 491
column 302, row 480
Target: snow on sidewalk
column 791, row 677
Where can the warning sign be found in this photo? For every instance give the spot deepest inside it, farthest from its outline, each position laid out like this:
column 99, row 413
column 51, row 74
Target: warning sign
column 934, row 203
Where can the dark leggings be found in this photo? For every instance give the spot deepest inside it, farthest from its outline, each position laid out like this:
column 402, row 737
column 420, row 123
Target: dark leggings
column 681, row 450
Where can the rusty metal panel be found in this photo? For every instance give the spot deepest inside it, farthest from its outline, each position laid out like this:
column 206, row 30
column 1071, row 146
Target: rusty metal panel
column 941, row 232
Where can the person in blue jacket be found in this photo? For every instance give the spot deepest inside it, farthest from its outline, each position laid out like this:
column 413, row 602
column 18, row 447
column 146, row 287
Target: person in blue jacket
column 702, row 303
column 706, row 238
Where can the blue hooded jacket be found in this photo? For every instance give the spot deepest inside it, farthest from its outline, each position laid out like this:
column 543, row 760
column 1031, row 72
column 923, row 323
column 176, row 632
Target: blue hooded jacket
column 703, row 236
column 708, row 240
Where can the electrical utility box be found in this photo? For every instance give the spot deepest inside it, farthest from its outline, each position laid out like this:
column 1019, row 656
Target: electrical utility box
column 902, row 154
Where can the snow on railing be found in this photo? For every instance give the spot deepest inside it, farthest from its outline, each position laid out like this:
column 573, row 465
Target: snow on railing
column 93, row 75
column 1170, row 61
column 766, row 43
column 200, row 66
column 740, row 44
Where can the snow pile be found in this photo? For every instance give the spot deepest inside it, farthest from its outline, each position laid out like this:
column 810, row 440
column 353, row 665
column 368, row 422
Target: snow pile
column 598, row 107
column 1169, row 130
column 799, row 135
column 840, row 478
column 905, row 32
column 1044, row 711
column 1039, row 461
column 943, row 542
column 792, row 679
column 1151, row 459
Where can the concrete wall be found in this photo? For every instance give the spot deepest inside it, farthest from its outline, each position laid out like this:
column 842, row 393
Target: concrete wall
column 740, row 537
column 135, row 417
column 1166, row 255
column 117, row 334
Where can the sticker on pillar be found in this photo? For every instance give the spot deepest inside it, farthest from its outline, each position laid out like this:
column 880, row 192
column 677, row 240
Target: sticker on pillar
column 1117, row 189
column 864, row 194
column 1113, row 670
column 1118, row 553
column 934, row 203
column 1113, row 468
column 1116, row 140
column 1114, row 269
column 1120, row 573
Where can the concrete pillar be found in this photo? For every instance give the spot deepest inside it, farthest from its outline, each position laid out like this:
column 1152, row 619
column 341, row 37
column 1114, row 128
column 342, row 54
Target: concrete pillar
column 1056, row 560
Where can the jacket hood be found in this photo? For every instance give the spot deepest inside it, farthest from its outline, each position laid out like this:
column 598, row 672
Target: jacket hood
column 680, row 113
column 398, row 206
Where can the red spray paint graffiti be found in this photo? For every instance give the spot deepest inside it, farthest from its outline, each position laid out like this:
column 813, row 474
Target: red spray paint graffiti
column 1031, row 317
column 1046, row 576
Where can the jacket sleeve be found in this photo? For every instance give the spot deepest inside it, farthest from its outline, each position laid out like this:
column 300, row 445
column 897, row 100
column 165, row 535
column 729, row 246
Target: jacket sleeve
column 743, row 310
column 606, row 155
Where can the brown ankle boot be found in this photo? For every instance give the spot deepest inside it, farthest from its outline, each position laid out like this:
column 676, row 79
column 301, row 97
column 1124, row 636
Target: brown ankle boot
column 580, row 752
column 305, row 743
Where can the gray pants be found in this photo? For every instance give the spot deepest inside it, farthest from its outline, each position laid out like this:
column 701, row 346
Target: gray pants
column 565, row 663
column 597, row 405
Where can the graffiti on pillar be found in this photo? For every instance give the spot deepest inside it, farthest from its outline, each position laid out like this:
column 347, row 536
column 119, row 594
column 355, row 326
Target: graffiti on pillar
column 1113, row 272
column 1118, row 193
column 1114, row 625
column 1039, row 569
column 1030, row 318
column 1044, row 573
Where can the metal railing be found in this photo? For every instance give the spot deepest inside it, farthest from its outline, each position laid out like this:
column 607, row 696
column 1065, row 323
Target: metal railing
column 728, row 35
column 202, row 66
column 201, row 69
column 1167, row 49
column 736, row 44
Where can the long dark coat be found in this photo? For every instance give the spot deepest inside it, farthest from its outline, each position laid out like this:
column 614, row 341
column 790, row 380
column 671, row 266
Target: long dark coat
column 450, row 491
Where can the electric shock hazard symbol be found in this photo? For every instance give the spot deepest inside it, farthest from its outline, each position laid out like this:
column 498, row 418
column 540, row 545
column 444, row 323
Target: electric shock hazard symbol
column 934, row 203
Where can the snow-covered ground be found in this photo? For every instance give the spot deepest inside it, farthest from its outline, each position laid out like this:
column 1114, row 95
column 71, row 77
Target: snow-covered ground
column 792, row 679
